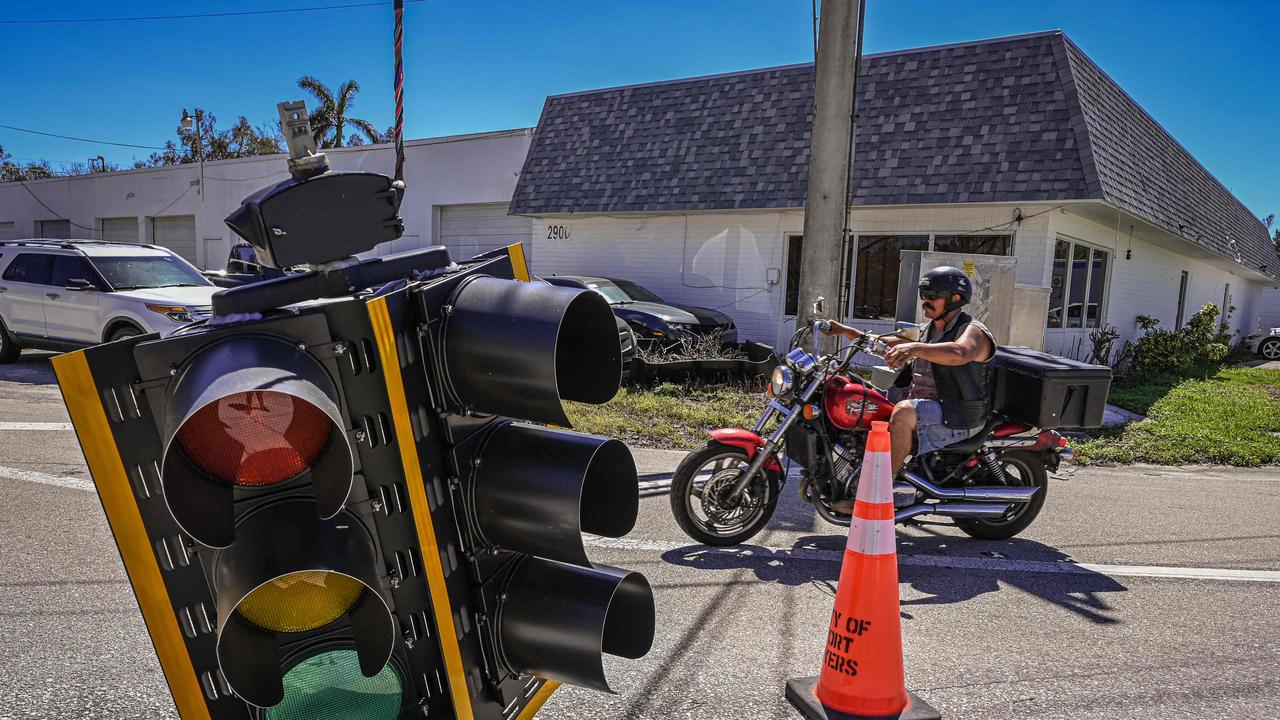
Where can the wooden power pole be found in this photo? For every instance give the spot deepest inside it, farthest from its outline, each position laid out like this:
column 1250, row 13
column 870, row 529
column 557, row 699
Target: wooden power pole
column 830, row 155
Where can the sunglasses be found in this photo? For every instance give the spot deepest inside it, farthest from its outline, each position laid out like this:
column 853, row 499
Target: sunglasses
column 934, row 294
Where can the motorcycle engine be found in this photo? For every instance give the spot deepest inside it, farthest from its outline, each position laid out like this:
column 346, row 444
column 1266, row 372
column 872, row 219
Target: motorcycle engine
column 847, row 464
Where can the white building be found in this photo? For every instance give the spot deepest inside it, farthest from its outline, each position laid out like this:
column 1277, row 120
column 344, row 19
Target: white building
column 457, row 193
column 695, row 187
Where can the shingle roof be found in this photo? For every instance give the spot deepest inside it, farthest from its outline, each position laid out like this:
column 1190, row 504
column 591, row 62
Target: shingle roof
column 1024, row 118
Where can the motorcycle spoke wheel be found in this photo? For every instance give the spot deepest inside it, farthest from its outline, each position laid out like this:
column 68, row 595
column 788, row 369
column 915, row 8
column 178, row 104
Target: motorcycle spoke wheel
column 1022, row 469
column 700, row 497
column 707, row 471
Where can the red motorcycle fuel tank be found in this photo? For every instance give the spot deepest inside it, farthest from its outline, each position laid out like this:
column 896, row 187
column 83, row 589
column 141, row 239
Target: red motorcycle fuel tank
column 850, row 405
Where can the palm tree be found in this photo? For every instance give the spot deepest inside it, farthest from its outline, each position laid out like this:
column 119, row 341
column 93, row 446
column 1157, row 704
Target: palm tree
column 329, row 120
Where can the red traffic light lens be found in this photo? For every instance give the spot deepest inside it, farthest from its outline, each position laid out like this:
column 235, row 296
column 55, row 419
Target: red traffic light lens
column 255, row 438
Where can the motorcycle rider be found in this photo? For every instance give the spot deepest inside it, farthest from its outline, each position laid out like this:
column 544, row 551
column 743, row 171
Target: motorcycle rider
column 946, row 400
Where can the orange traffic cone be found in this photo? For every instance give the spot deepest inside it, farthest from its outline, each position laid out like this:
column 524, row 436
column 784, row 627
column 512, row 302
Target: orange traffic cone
column 862, row 673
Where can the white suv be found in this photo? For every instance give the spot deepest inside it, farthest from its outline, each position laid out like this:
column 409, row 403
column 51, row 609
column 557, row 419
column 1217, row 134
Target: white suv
column 69, row 294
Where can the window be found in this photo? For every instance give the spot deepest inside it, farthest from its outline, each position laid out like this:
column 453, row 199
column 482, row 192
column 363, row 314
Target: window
column 792, row 298
column 72, row 267
column 1182, row 297
column 875, row 293
column 1078, row 289
column 30, row 268
column 148, row 271
column 973, row 244
column 1226, row 303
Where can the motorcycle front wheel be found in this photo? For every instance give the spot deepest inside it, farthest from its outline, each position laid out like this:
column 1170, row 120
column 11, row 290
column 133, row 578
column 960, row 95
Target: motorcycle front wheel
column 699, row 491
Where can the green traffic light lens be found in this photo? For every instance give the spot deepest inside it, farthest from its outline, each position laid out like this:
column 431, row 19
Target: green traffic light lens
column 329, row 686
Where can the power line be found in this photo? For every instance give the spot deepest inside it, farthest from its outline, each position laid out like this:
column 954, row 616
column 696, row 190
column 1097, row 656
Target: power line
column 55, row 212
column 194, row 16
column 71, row 137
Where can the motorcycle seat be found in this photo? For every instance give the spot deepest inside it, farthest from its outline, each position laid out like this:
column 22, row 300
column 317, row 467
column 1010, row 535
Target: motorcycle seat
column 965, row 447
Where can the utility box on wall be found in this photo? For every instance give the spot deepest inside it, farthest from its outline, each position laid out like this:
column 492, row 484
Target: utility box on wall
column 993, row 292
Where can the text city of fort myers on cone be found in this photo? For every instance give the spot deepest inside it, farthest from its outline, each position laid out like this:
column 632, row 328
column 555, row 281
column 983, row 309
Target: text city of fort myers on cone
column 862, row 673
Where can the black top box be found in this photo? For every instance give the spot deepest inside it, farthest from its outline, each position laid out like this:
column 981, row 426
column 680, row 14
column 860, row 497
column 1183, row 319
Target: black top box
column 1048, row 391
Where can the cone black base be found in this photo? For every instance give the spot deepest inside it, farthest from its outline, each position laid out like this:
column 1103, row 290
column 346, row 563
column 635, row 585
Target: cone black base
column 800, row 695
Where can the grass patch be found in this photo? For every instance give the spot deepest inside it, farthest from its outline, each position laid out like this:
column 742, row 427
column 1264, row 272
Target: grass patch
column 668, row 415
column 1224, row 416
column 1140, row 396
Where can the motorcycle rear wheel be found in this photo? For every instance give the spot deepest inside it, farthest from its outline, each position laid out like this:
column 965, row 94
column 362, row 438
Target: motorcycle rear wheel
column 711, row 468
column 1024, row 469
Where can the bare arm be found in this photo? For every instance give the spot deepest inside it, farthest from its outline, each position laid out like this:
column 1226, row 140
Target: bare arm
column 854, row 333
column 972, row 345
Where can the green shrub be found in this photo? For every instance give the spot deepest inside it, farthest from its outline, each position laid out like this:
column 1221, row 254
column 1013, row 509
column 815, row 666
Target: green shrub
column 1215, row 352
column 1161, row 350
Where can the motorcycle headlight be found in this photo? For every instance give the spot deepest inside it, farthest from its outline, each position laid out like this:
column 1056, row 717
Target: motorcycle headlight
column 800, row 361
column 781, row 381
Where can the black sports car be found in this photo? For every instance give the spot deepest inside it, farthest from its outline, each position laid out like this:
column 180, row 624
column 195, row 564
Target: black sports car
column 650, row 317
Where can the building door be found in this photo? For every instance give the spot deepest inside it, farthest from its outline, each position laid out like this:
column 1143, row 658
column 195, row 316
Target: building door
column 176, row 232
column 121, row 230
column 468, row 230
column 54, row 229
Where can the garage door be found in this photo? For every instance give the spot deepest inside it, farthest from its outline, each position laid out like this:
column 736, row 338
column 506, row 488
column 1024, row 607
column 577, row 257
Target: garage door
column 469, row 230
column 57, row 229
column 176, row 232
column 121, row 230
column 7, row 231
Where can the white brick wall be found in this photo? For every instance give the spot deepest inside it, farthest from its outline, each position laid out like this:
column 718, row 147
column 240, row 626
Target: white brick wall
column 726, row 261
column 722, row 261
column 1148, row 282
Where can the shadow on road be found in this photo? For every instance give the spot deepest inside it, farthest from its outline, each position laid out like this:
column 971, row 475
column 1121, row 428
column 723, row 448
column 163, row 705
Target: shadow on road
column 815, row 559
column 31, row 368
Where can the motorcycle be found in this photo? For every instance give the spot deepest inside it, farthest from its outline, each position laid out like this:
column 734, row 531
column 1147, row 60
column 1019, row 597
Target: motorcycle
column 991, row 486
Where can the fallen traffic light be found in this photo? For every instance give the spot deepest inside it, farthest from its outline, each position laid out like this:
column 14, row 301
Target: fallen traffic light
column 338, row 510
column 509, row 351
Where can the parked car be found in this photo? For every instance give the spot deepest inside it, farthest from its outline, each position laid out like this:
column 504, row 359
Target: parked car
column 242, row 268
column 69, row 294
column 653, row 319
column 1268, row 345
column 626, row 338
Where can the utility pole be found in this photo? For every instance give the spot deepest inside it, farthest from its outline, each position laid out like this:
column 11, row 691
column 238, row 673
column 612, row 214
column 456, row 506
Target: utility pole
column 830, row 154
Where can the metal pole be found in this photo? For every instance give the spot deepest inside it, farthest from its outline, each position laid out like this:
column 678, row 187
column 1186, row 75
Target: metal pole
column 200, row 150
column 830, row 155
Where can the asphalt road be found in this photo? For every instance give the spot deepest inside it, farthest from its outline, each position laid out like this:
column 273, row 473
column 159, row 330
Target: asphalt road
column 1141, row 592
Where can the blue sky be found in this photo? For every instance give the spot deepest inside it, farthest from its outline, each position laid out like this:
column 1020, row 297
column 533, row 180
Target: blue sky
column 1209, row 72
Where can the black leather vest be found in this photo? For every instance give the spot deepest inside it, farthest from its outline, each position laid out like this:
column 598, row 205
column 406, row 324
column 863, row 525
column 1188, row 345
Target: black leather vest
column 963, row 390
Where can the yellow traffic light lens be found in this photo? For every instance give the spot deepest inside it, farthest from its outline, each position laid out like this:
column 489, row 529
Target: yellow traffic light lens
column 300, row 601
column 255, row 438
column 330, row 686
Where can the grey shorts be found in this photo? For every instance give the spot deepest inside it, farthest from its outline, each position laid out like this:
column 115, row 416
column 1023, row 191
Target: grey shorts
column 931, row 434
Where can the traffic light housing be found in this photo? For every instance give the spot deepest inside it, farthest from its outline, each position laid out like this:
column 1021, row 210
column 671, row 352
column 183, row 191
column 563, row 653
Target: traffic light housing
column 340, row 504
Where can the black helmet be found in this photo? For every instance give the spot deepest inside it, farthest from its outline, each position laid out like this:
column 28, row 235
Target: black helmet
column 950, row 279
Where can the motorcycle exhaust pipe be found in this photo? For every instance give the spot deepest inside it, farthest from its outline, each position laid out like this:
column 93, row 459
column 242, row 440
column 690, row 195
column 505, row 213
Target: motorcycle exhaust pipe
column 986, row 493
column 953, row 510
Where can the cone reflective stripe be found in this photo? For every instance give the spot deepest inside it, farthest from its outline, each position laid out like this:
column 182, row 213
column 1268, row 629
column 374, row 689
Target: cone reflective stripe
column 862, row 668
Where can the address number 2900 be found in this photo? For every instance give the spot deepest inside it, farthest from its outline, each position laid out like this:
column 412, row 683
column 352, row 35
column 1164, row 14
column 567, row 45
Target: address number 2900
column 558, row 232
